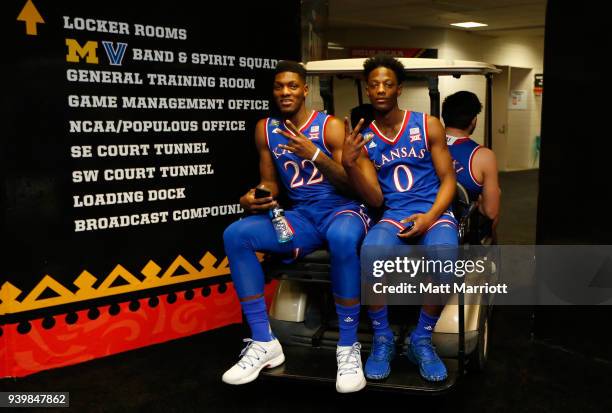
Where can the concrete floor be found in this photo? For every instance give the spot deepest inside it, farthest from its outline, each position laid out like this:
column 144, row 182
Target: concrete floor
column 524, row 374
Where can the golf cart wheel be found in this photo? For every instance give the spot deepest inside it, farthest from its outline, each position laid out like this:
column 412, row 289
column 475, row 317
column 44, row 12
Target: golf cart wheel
column 478, row 358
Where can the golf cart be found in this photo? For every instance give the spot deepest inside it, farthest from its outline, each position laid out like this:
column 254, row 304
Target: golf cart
column 302, row 314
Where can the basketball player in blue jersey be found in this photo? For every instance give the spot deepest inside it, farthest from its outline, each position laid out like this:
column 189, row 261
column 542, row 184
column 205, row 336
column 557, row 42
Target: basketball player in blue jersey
column 475, row 166
column 300, row 151
column 401, row 160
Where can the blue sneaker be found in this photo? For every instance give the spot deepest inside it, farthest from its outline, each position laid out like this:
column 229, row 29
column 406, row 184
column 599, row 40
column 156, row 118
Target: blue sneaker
column 422, row 353
column 378, row 365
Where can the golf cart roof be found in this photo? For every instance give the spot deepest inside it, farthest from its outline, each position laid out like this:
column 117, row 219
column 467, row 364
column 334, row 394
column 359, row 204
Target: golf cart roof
column 412, row 65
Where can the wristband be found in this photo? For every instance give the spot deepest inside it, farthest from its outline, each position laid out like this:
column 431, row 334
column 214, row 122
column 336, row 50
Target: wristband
column 314, row 157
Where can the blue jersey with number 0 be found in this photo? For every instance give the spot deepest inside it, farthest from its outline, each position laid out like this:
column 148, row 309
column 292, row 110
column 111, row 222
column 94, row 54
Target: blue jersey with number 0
column 405, row 170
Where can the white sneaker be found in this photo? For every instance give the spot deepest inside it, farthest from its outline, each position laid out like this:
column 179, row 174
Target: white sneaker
column 350, row 372
column 254, row 357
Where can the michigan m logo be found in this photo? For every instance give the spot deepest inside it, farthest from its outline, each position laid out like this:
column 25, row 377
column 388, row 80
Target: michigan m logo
column 76, row 52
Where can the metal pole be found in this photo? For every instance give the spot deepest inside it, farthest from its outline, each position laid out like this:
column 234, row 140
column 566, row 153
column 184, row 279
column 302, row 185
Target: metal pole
column 326, row 90
column 359, row 94
column 434, row 96
column 461, row 353
column 489, row 112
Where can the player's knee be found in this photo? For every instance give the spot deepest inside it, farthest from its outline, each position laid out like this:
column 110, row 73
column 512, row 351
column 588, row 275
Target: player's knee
column 376, row 236
column 235, row 235
column 343, row 242
column 367, row 243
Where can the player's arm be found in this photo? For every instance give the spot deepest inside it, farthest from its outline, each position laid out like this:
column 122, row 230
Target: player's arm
column 332, row 167
column 305, row 149
column 485, row 166
column 358, row 166
column 267, row 172
column 443, row 165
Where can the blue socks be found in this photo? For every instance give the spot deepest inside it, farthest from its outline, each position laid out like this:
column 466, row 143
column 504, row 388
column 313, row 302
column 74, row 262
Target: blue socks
column 257, row 317
column 380, row 323
column 425, row 326
column 348, row 322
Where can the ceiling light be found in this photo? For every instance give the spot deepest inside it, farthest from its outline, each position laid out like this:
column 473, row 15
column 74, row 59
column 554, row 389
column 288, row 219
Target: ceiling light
column 469, row 25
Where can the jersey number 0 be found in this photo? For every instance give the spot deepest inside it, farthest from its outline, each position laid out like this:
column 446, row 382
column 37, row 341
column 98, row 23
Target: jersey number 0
column 404, row 170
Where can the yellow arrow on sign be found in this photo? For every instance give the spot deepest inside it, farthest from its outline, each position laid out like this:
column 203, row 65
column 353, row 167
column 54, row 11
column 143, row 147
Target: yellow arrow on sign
column 31, row 17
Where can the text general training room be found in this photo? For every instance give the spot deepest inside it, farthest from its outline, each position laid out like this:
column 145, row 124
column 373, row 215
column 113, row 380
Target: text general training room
column 305, row 205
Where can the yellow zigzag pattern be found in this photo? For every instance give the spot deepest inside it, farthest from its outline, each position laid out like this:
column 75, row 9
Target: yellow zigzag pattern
column 178, row 272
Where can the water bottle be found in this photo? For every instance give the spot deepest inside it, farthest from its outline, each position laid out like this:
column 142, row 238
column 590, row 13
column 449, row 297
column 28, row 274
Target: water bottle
column 284, row 233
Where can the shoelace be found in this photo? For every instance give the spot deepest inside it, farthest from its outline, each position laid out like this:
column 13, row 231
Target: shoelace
column 349, row 360
column 426, row 352
column 250, row 354
column 382, row 350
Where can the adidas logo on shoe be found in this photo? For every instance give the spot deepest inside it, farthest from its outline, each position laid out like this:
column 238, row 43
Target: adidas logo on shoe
column 348, row 320
column 428, row 328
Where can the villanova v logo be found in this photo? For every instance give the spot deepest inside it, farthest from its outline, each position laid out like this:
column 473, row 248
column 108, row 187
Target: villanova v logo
column 115, row 56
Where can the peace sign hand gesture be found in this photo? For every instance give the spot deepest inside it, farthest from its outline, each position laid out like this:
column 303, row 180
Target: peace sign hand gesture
column 353, row 142
column 298, row 143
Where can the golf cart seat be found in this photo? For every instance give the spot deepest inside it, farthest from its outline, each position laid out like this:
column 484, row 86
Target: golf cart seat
column 314, row 267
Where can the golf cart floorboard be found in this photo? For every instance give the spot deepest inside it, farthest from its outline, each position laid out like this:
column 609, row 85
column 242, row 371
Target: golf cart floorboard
column 316, row 364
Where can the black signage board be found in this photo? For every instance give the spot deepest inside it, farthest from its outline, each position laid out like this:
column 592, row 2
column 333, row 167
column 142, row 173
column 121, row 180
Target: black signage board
column 127, row 130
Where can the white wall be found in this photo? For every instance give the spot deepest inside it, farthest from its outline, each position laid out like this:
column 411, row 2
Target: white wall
column 523, row 125
column 523, row 52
